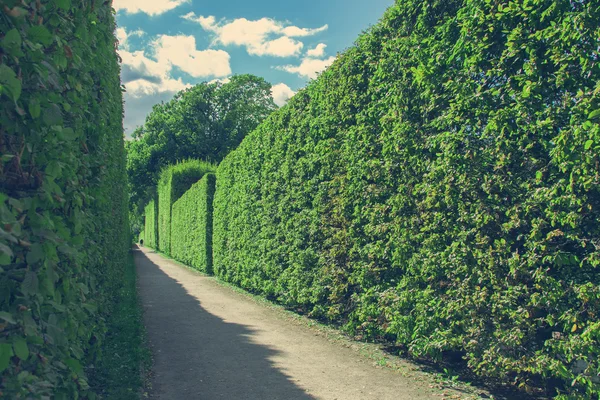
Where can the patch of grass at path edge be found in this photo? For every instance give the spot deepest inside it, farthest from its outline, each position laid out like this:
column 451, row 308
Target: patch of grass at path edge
column 121, row 372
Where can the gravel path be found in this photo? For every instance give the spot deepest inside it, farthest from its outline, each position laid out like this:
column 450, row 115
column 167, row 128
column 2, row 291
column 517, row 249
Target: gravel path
column 211, row 342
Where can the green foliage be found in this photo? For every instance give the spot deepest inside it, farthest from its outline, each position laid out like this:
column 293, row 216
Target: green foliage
column 438, row 186
column 204, row 122
column 174, row 181
column 63, row 213
column 151, row 225
column 191, row 225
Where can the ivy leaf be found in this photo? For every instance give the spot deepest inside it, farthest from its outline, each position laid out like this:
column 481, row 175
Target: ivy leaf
column 12, row 43
column 6, row 250
column 7, row 317
column 67, row 134
column 63, row 4
column 6, row 353
column 74, row 365
column 21, row 349
column 53, row 115
column 588, row 144
column 30, row 284
column 9, row 82
column 594, row 114
column 39, row 34
column 4, row 259
column 35, row 110
column 35, row 254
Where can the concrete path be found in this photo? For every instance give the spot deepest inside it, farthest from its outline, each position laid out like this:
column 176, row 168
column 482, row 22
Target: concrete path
column 210, row 342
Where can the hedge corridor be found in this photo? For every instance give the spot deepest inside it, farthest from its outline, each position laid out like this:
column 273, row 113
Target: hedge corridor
column 151, row 224
column 191, row 229
column 438, row 187
column 174, row 181
column 63, row 204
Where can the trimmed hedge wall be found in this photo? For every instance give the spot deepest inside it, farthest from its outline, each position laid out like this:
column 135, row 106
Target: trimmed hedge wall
column 191, row 229
column 174, row 181
column 438, row 186
column 151, row 225
column 63, row 204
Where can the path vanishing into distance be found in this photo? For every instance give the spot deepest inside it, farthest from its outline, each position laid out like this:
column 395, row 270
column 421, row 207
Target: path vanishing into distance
column 209, row 341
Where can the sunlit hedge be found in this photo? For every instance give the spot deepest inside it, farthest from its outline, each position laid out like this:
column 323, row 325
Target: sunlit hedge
column 151, row 225
column 174, row 181
column 63, row 215
column 191, row 225
column 438, row 186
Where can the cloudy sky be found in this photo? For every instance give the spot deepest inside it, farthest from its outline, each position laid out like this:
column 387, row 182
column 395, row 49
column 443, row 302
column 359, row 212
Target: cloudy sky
column 168, row 45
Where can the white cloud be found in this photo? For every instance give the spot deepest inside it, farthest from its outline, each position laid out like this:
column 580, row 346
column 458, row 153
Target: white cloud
column 123, row 37
column 220, row 80
column 294, row 31
column 150, row 7
column 309, row 67
column 180, row 51
column 137, row 108
column 140, row 87
column 260, row 37
column 318, row 51
column 147, row 75
column 281, row 93
column 143, row 76
column 282, row 47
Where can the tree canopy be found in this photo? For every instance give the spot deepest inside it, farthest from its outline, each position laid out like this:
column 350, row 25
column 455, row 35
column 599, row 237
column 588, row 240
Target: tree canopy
column 204, row 122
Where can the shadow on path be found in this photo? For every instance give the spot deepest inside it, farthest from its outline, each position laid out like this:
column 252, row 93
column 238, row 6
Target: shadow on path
column 198, row 355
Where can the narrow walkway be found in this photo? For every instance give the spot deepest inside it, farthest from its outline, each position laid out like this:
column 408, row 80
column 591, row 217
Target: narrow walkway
column 210, row 342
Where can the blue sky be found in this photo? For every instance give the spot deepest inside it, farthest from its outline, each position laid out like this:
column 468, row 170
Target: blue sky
column 168, row 45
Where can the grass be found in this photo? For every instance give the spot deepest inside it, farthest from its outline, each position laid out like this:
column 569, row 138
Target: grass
column 121, row 372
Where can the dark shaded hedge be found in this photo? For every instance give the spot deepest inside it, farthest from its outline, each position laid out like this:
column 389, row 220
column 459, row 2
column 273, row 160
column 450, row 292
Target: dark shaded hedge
column 63, row 214
column 191, row 225
column 151, row 225
column 174, row 181
column 438, row 186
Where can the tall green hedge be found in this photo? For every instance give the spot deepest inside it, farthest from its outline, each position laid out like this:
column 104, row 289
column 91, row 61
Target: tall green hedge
column 192, row 224
column 174, row 181
column 151, row 225
column 63, row 214
column 438, row 186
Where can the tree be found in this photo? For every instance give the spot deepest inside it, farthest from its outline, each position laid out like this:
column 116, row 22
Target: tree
column 204, row 122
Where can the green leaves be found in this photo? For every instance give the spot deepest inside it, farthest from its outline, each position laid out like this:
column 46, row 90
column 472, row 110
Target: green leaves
column 35, row 254
column 438, row 187
column 7, row 317
column 30, row 285
column 53, row 115
column 63, row 4
column 63, row 207
column 21, row 349
column 12, row 43
column 9, row 83
column 205, row 122
column 39, row 34
column 191, row 225
column 74, row 365
column 6, row 353
column 174, row 182
column 594, row 114
column 35, row 109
